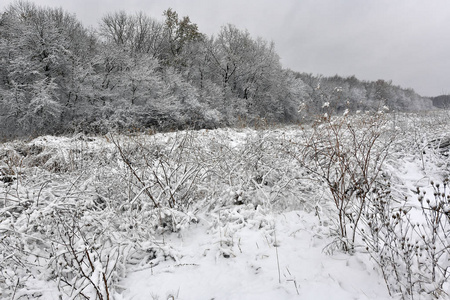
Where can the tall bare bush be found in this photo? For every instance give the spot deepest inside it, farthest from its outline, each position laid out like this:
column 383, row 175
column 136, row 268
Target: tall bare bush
column 346, row 153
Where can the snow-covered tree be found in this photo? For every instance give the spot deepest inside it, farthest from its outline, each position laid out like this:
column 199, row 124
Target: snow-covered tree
column 249, row 69
column 44, row 111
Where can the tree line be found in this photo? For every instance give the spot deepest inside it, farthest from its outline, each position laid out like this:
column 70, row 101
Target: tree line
column 134, row 71
column 442, row 101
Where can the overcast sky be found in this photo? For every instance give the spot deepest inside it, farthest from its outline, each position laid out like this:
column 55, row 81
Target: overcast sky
column 406, row 41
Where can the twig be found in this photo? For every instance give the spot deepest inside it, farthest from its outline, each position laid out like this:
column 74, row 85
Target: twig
column 40, row 190
column 276, row 251
column 15, row 289
column 126, row 161
column 106, row 286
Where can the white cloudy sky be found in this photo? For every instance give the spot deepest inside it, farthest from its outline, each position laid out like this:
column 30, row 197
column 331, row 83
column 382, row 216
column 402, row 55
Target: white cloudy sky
column 407, row 41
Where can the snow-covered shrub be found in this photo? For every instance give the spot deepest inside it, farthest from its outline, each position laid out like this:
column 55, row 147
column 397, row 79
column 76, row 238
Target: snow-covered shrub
column 411, row 245
column 59, row 230
column 61, row 242
column 162, row 178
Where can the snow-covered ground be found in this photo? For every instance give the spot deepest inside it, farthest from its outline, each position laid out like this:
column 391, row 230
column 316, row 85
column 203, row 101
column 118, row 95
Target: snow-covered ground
column 292, row 267
column 237, row 216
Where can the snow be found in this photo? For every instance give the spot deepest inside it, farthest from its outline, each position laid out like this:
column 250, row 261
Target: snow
column 254, row 226
column 251, row 272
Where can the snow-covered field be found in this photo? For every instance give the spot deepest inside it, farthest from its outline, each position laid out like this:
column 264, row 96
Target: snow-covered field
column 209, row 214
